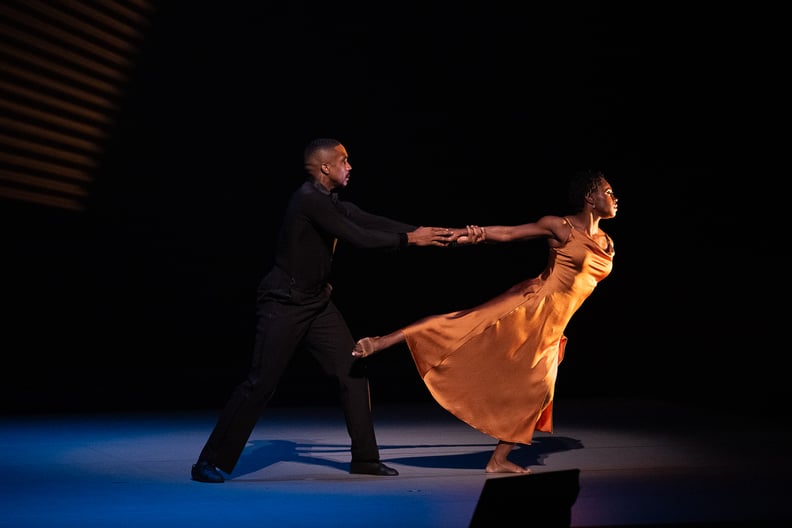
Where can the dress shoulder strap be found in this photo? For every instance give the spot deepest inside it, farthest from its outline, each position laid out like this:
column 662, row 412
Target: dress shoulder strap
column 568, row 222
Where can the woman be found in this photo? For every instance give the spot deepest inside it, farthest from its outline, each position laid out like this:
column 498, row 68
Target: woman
column 495, row 366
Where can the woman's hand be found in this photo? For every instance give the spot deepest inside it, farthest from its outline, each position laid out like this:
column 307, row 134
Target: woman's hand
column 471, row 234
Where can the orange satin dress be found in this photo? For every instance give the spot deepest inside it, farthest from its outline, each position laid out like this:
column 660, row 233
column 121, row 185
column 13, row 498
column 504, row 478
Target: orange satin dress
column 495, row 366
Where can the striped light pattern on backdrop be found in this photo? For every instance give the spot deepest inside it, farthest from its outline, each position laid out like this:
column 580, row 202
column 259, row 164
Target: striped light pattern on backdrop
column 64, row 65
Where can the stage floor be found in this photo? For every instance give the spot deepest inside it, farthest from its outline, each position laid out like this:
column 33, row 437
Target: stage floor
column 640, row 463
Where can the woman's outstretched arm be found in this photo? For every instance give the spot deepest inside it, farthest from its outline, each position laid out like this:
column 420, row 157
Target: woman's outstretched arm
column 369, row 345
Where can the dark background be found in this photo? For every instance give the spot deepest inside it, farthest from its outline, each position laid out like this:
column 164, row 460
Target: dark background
column 452, row 114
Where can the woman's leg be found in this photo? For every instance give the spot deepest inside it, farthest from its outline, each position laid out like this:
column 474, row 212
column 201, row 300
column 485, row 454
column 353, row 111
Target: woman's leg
column 498, row 463
column 369, row 345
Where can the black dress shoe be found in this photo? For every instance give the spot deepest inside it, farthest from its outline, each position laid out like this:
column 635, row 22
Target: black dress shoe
column 203, row 471
column 372, row 468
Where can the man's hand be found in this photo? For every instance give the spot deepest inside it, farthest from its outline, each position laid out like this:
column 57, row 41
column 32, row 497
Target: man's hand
column 430, row 236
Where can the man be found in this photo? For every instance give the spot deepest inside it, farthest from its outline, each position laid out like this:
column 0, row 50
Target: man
column 294, row 310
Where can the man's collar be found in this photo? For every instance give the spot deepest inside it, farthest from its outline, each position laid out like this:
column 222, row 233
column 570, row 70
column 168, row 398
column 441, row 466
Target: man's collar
column 321, row 188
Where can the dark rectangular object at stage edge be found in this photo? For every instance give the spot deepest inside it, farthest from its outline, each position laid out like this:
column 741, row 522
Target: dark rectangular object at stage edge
column 542, row 500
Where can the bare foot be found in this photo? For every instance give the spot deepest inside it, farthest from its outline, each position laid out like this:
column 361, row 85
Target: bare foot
column 505, row 467
column 364, row 347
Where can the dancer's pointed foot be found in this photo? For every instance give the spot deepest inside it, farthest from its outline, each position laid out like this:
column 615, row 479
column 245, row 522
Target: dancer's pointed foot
column 365, row 347
column 505, row 467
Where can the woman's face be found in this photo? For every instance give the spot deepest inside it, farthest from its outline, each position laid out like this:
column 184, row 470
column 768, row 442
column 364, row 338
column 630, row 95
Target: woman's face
column 604, row 200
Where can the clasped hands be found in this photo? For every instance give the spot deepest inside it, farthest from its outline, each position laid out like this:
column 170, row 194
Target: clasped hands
column 445, row 236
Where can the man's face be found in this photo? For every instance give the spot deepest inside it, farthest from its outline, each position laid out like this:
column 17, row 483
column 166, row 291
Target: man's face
column 337, row 167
